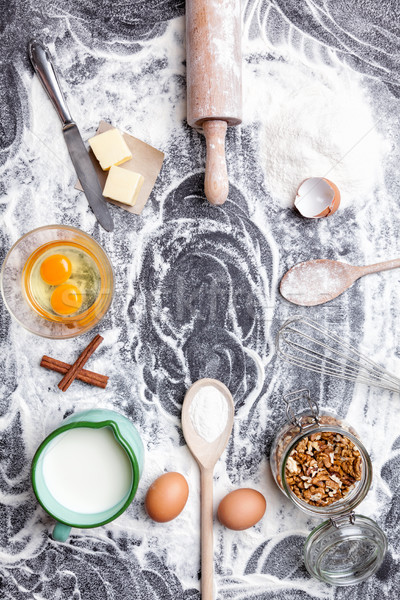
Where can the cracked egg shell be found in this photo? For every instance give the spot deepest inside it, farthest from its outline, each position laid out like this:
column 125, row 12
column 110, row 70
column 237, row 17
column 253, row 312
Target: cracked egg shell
column 317, row 197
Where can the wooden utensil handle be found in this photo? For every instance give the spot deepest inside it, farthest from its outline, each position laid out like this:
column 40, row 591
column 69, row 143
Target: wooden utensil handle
column 383, row 266
column 216, row 184
column 207, row 545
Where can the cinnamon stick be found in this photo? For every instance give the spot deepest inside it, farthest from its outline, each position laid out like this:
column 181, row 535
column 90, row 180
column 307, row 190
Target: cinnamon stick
column 89, row 377
column 72, row 372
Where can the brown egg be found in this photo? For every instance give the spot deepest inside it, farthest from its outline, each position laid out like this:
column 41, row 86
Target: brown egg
column 166, row 497
column 241, row 509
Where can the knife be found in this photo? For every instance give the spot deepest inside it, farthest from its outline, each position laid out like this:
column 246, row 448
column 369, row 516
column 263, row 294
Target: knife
column 44, row 69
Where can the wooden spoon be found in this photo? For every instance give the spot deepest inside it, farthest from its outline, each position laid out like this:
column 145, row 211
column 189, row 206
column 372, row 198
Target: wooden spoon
column 318, row 281
column 206, row 455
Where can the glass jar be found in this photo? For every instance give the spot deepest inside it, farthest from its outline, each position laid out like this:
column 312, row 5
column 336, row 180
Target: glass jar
column 347, row 548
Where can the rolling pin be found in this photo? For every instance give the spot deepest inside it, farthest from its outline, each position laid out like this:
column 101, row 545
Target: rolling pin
column 214, row 82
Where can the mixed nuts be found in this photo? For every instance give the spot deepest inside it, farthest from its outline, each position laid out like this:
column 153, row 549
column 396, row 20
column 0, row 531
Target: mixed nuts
column 323, row 468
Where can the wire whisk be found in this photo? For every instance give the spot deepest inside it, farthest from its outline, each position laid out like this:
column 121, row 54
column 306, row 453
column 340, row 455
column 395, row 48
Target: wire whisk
column 302, row 342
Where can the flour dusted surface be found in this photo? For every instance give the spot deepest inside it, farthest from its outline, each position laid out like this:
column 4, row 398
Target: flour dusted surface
column 154, row 347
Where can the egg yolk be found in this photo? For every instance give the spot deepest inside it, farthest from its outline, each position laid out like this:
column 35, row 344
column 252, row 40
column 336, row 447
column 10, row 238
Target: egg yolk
column 55, row 269
column 66, row 299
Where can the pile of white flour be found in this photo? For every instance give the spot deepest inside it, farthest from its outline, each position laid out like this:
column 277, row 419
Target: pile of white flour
column 313, row 124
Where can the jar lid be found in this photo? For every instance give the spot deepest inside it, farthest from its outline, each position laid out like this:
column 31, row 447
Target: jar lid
column 345, row 550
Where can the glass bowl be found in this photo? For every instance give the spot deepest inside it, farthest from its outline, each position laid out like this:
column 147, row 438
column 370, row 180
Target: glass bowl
column 13, row 282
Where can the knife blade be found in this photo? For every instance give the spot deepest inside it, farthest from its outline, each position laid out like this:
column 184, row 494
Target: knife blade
column 44, row 68
column 87, row 175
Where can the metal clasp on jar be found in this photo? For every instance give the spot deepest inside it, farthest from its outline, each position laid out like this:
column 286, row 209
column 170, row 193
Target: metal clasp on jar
column 343, row 519
column 301, row 395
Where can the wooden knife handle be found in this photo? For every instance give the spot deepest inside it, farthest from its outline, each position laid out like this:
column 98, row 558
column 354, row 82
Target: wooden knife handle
column 216, row 184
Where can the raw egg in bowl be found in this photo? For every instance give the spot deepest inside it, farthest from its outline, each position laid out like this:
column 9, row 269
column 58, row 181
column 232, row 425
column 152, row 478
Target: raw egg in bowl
column 57, row 281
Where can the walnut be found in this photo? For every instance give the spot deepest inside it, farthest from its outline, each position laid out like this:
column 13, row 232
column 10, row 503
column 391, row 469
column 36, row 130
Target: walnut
column 325, row 468
column 292, row 466
column 301, row 446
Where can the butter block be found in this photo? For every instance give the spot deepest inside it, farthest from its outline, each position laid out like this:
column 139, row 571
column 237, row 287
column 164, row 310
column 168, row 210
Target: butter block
column 123, row 185
column 110, row 148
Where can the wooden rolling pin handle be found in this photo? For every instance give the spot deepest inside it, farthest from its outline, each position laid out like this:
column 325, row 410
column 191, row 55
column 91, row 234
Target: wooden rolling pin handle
column 207, row 545
column 216, row 184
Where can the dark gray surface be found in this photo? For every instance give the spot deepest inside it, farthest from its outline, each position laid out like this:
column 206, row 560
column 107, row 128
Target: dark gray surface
column 196, row 295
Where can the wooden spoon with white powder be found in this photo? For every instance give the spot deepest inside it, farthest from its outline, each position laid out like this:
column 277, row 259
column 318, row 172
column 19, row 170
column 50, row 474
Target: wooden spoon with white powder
column 207, row 419
column 319, row 281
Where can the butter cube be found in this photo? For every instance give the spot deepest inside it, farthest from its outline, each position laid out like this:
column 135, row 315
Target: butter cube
column 110, row 148
column 123, row 185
